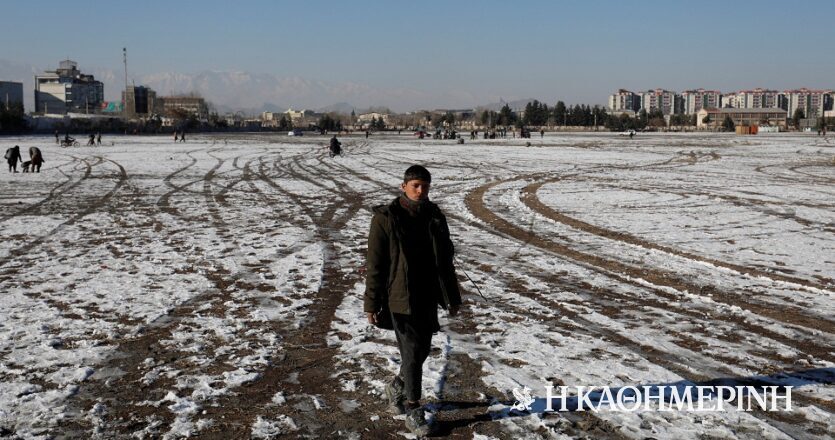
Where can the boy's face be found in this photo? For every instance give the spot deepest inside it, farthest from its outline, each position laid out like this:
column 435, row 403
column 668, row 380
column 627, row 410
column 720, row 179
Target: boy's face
column 416, row 190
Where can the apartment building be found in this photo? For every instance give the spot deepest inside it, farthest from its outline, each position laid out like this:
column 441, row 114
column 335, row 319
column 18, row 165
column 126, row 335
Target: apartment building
column 624, row 100
column 695, row 100
column 756, row 98
column 140, row 101
column 67, row 90
column 813, row 103
column 667, row 102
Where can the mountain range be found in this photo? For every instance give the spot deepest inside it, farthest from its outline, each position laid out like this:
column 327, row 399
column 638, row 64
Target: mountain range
column 250, row 93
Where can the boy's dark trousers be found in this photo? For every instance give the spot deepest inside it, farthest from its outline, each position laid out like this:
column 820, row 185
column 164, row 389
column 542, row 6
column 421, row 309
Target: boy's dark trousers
column 414, row 339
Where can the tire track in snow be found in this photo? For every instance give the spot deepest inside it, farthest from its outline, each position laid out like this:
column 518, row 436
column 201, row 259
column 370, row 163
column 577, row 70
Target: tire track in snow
column 531, row 199
column 463, row 421
column 299, row 357
column 91, row 207
column 630, row 275
column 55, row 191
column 124, row 397
column 695, row 371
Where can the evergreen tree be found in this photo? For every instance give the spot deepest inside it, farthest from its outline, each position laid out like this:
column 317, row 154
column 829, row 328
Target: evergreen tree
column 506, row 116
column 449, row 118
column 489, row 118
column 560, row 113
column 798, row 115
column 12, row 118
column 643, row 119
column 728, row 123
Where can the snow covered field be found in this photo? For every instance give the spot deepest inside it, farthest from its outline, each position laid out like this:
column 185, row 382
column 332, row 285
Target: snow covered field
column 213, row 288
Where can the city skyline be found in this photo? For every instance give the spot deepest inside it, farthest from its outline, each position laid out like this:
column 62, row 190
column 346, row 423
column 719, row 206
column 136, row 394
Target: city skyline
column 437, row 55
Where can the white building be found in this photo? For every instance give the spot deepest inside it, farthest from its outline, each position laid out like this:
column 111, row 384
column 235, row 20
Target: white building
column 813, row 103
column 624, row 100
column 368, row 117
column 756, row 98
column 11, row 93
column 295, row 115
column 659, row 99
column 67, row 90
column 695, row 100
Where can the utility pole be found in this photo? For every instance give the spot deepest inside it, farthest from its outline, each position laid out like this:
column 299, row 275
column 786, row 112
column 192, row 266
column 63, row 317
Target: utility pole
column 125, row 60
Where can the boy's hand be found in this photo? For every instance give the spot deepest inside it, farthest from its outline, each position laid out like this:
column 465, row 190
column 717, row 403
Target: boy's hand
column 372, row 317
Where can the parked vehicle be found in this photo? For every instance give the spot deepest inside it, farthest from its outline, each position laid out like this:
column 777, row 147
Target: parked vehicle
column 295, row 132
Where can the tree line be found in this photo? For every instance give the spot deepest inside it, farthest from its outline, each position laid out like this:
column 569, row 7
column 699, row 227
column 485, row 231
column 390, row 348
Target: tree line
column 12, row 118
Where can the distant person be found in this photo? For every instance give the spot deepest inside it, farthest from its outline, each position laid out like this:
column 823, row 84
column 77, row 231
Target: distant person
column 12, row 157
column 183, row 136
column 56, row 138
column 335, row 147
column 175, row 136
column 92, row 140
column 631, row 134
column 541, row 134
column 98, row 138
column 367, row 133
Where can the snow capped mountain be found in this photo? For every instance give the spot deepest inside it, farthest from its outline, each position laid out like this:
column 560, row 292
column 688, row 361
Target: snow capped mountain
column 234, row 90
column 251, row 92
column 245, row 90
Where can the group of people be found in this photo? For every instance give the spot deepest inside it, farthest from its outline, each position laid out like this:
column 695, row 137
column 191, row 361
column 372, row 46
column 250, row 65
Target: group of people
column 93, row 139
column 33, row 164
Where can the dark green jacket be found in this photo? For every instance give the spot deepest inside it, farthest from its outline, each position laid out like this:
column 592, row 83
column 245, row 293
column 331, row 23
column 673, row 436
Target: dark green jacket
column 388, row 273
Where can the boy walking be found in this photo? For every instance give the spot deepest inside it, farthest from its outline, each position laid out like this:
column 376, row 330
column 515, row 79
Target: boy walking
column 410, row 273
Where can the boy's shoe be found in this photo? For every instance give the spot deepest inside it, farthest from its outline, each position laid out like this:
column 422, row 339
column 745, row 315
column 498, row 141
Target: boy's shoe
column 395, row 396
column 416, row 422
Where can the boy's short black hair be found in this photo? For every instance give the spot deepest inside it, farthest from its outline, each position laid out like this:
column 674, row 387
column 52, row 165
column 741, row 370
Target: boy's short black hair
column 417, row 172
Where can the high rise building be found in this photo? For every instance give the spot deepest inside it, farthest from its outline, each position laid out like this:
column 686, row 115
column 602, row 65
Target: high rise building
column 813, row 103
column 67, row 90
column 756, row 98
column 659, row 99
column 624, row 100
column 695, row 100
column 140, row 101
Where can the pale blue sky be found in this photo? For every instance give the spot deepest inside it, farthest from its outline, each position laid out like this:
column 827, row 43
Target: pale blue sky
column 578, row 51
